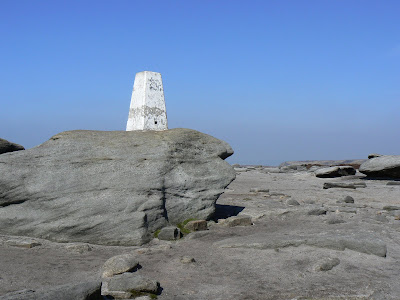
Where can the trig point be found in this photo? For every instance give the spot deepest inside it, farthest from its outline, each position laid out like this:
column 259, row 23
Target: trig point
column 147, row 110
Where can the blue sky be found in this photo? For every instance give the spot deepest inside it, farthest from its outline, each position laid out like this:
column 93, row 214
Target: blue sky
column 278, row 80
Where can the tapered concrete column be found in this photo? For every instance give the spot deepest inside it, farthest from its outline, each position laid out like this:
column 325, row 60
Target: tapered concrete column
column 147, row 110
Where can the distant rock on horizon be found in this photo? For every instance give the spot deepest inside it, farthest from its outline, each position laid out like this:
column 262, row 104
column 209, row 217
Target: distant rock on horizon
column 6, row 146
column 111, row 187
column 355, row 163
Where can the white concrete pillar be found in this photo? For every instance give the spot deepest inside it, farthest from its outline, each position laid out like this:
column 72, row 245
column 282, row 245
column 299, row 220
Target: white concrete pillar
column 147, row 110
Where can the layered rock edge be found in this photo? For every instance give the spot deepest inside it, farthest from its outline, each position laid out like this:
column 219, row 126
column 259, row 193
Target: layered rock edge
column 111, row 187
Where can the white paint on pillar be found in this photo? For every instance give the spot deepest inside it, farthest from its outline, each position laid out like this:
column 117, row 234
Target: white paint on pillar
column 147, row 110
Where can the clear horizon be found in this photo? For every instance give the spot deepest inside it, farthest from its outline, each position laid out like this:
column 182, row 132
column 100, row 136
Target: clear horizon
column 278, row 80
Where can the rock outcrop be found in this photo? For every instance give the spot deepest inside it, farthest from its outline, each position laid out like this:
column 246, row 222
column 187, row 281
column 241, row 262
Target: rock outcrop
column 387, row 166
column 81, row 291
column 6, row 146
column 337, row 171
column 111, row 188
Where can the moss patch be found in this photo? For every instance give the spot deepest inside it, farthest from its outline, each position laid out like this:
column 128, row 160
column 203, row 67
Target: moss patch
column 181, row 226
column 156, row 233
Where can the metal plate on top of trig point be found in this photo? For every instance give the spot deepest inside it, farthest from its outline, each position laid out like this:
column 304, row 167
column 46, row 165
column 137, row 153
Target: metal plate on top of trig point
column 147, row 110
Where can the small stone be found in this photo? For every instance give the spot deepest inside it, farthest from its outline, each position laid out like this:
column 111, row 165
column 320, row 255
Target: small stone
column 23, row 243
column 373, row 155
column 391, row 207
column 187, row 260
column 124, row 285
column 317, row 212
column 119, row 264
column 348, row 199
column 196, row 225
column 79, row 248
column 327, row 264
column 170, row 233
column 292, row 202
column 237, row 221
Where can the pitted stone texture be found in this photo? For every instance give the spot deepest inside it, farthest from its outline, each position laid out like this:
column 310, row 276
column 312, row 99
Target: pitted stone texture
column 147, row 110
column 111, row 188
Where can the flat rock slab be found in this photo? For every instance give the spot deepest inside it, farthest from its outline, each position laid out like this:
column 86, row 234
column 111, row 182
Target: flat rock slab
column 344, row 185
column 337, row 171
column 368, row 244
column 111, row 187
column 80, row 291
column 236, row 221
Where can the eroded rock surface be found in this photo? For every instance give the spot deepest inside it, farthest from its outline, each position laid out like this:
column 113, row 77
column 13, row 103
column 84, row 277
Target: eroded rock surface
column 111, row 188
column 336, row 171
column 382, row 166
column 6, row 146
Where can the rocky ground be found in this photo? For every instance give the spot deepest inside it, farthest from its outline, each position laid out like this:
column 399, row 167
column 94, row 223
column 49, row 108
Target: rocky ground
column 306, row 242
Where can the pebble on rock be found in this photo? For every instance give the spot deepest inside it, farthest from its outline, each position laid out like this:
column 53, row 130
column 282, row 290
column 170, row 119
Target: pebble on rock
column 119, row 264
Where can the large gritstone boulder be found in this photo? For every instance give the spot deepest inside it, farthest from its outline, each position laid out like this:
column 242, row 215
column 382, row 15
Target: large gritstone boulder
column 6, row 146
column 385, row 166
column 111, row 187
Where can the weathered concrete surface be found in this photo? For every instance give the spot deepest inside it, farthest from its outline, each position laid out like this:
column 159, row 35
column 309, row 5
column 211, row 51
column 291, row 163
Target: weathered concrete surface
column 111, row 188
column 147, row 110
